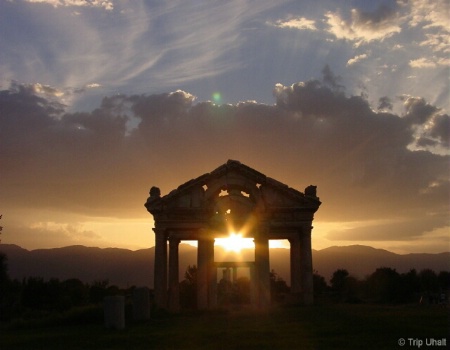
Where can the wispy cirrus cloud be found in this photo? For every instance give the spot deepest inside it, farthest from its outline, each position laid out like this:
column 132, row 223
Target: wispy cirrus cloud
column 105, row 4
column 151, row 46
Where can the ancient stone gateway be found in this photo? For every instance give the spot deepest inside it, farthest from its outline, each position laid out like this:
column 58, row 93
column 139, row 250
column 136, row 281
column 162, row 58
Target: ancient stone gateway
column 232, row 198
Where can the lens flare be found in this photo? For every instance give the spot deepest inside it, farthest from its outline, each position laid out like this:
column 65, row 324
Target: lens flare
column 217, row 97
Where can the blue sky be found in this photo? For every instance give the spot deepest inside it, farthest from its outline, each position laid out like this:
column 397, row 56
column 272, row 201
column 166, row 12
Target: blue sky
column 126, row 72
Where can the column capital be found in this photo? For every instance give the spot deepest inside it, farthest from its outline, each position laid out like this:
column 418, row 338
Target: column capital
column 307, row 226
column 174, row 239
column 293, row 236
column 205, row 234
column 160, row 231
column 262, row 234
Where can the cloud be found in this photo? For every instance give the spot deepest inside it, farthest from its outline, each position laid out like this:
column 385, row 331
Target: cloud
column 93, row 85
column 384, row 103
column 107, row 5
column 46, row 90
column 432, row 17
column 301, row 23
column 429, row 13
column 356, row 59
column 364, row 27
column 422, row 63
column 151, row 46
column 432, row 62
column 432, row 126
column 389, row 230
column 439, row 43
column 49, row 234
column 102, row 162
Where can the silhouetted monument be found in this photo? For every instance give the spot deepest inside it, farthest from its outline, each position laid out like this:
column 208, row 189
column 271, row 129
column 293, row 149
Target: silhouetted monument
column 232, row 198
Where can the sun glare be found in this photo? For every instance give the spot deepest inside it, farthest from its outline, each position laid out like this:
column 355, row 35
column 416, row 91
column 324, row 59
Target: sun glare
column 235, row 242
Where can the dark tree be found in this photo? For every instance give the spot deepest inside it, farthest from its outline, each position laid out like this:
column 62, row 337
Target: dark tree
column 3, row 266
column 188, row 288
column 38, row 294
column 4, row 278
column 278, row 287
column 444, row 280
column 73, row 293
column 410, row 286
column 319, row 285
column 5, row 284
column 385, row 286
column 429, row 281
column 98, row 290
column 338, row 279
column 344, row 287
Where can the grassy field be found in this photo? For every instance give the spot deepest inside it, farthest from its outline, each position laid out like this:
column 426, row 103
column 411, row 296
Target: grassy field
column 315, row 327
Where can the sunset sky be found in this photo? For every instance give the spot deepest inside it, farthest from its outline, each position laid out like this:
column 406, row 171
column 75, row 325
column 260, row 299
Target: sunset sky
column 101, row 100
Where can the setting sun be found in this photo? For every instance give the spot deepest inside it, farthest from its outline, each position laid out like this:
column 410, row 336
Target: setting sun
column 235, row 242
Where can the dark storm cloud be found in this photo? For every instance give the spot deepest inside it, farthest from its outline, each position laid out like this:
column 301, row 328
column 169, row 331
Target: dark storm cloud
column 441, row 128
column 382, row 15
column 436, row 124
column 103, row 162
column 364, row 26
column 385, row 103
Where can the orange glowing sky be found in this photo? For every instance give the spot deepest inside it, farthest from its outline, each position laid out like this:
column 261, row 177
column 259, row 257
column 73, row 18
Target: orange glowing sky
column 110, row 98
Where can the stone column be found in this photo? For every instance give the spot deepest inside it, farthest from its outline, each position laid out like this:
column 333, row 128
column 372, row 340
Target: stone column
column 262, row 269
column 295, row 255
column 234, row 274
column 306, row 270
column 253, row 286
column 174, row 283
column 212, row 275
column 160, row 274
column 202, row 274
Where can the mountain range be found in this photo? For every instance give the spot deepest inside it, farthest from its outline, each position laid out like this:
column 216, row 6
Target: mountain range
column 124, row 267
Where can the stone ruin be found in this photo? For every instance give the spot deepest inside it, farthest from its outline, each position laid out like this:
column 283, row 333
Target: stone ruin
column 232, row 198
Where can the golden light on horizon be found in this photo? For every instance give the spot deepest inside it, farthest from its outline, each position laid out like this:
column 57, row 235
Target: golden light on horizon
column 235, row 242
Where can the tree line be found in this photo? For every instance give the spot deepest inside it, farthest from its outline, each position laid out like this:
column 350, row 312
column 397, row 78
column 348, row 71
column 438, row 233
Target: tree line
column 385, row 285
column 36, row 296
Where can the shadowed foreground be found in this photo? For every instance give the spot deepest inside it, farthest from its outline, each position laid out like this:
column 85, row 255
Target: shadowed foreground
column 315, row 327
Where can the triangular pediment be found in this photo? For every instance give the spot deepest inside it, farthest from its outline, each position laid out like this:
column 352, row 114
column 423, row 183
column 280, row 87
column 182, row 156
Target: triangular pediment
column 233, row 186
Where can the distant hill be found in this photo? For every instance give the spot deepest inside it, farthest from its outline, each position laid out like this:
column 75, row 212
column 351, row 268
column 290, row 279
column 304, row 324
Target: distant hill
column 124, row 267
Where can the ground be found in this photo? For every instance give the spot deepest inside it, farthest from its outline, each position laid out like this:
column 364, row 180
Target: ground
column 313, row 327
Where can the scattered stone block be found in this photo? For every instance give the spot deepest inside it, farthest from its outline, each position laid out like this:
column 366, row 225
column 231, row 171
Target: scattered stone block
column 114, row 311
